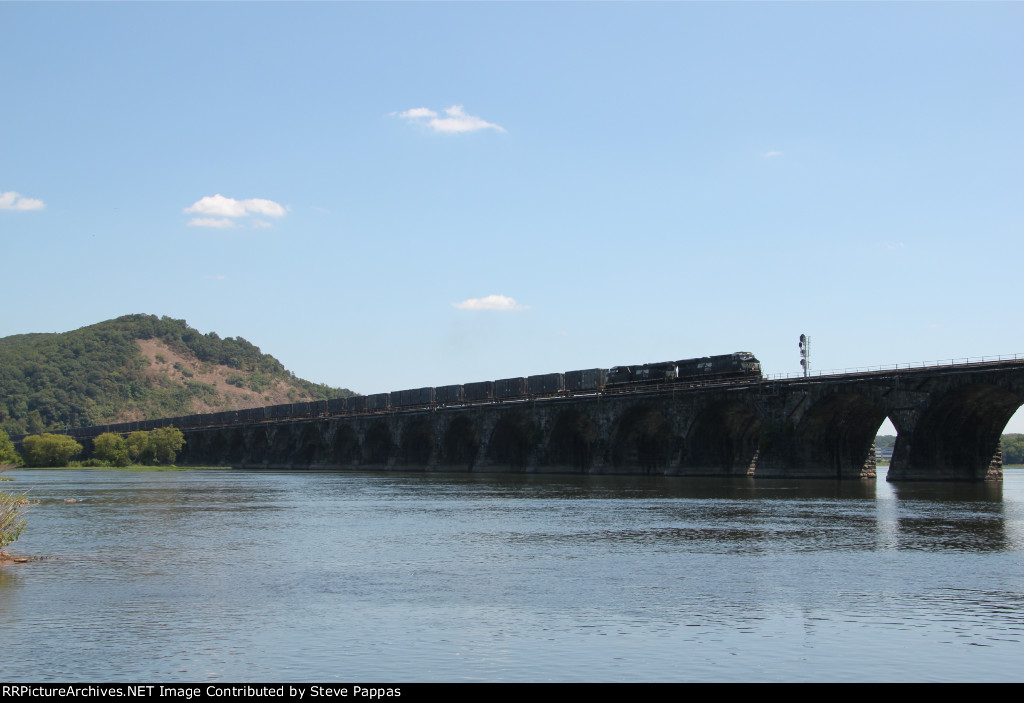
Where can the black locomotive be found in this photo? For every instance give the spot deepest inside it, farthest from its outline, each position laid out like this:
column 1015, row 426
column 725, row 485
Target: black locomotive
column 739, row 366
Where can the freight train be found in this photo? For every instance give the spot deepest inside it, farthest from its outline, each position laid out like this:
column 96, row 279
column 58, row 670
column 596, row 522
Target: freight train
column 738, row 367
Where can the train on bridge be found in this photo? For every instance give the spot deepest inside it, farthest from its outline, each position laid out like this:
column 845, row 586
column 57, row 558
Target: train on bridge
column 738, row 367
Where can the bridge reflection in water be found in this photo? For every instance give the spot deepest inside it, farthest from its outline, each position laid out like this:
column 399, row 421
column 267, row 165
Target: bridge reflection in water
column 949, row 421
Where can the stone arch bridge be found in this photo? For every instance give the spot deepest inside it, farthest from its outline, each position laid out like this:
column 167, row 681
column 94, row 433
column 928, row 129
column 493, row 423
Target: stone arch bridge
column 949, row 420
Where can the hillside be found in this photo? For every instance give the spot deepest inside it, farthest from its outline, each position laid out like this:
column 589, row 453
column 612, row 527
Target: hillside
column 137, row 367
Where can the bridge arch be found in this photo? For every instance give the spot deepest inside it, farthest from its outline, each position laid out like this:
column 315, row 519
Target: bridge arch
column 513, row 442
column 643, row 440
column 957, row 435
column 259, row 446
column 282, row 444
column 235, row 441
column 193, row 451
column 836, row 434
column 722, row 440
column 461, row 443
column 417, row 444
column 573, row 441
column 378, row 444
column 216, row 446
column 344, row 445
column 310, row 446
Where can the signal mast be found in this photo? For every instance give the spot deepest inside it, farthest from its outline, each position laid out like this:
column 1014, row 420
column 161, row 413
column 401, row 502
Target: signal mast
column 805, row 353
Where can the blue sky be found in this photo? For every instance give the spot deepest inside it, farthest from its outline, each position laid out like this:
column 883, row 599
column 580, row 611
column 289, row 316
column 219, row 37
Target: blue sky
column 395, row 195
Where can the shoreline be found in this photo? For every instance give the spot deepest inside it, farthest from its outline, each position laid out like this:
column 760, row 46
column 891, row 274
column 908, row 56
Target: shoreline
column 7, row 558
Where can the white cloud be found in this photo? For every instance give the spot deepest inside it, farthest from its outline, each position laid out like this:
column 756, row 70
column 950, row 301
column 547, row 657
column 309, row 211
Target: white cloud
column 417, row 112
column 771, row 154
column 459, row 121
column 456, row 121
column 15, row 201
column 216, row 222
column 260, row 224
column 491, row 302
column 218, row 205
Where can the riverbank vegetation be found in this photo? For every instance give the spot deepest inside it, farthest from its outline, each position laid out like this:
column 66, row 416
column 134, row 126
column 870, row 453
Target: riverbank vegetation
column 146, row 448
column 8, row 455
column 12, row 520
column 49, row 449
column 159, row 446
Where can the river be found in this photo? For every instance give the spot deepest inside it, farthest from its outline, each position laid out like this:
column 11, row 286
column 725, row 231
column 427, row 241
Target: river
column 220, row 575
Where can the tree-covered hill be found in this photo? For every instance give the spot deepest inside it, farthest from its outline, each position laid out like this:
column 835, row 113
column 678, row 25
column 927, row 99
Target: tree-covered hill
column 137, row 367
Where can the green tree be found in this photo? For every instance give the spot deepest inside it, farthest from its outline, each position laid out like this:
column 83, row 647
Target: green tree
column 166, row 442
column 159, row 446
column 1013, row 449
column 7, row 453
column 111, row 448
column 139, row 448
column 35, row 422
column 49, row 449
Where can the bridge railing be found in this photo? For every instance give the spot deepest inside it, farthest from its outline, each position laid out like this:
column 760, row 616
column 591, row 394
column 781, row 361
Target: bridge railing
column 956, row 362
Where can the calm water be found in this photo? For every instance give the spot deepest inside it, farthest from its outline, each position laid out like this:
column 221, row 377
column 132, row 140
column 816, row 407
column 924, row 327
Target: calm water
column 232, row 576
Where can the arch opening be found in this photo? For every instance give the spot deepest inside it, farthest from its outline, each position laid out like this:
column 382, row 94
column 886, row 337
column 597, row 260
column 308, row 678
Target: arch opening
column 235, row 446
column 957, row 437
column 836, row 436
column 308, row 448
column 345, row 446
column 259, row 447
column 377, row 445
column 1013, row 440
column 417, row 446
column 643, row 440
column 216, row 446
column 573, row 441
column 513, row 442
column 282, row 445
column 461, row 443
column 722, row 440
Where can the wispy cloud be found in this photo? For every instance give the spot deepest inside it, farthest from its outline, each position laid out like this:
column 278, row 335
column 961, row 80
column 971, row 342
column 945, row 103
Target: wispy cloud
column 417, row 112
column 771, row 154
column 490, row 302
column 456, row 120
column 215, row 222
column 16, row 201
column 219, row 209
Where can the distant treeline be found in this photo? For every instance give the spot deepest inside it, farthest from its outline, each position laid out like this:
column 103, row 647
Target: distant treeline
column 1013, row 446
column 95, row 375
column 1013, row 449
